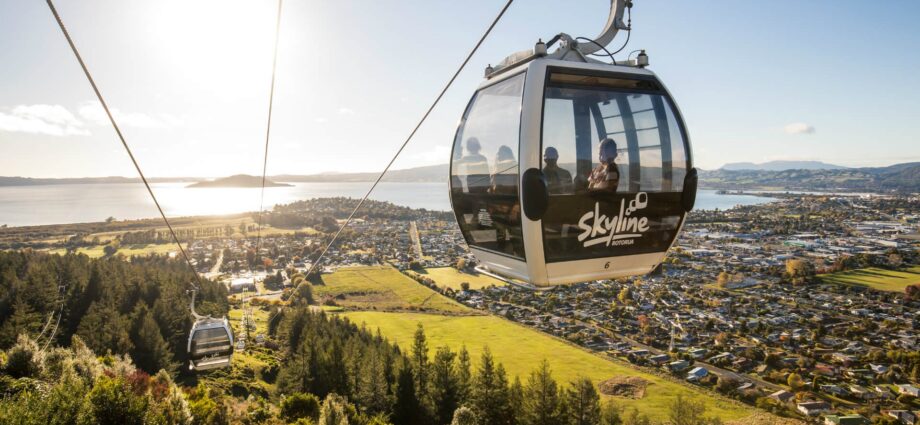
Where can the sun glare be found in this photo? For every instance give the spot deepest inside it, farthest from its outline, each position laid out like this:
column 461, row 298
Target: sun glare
column 219, row 42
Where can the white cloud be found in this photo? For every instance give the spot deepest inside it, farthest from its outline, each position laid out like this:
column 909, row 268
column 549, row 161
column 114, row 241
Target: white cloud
column 93, row 112
column 52, row 120
column 320, row 120
column 346, row 111
column 799, row 128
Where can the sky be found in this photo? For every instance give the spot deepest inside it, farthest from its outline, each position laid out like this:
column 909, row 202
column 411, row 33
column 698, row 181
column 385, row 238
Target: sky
column 834, row 81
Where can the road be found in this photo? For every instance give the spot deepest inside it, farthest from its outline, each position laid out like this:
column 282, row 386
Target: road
column 220, row 261
column 416, row 242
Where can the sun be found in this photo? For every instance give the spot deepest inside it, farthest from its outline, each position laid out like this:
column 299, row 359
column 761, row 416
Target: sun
column 220, row 42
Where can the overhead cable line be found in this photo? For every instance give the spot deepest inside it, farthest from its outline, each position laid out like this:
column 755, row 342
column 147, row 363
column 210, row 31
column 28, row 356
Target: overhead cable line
column 268, row 129
column 414, row 130
column 121, row 137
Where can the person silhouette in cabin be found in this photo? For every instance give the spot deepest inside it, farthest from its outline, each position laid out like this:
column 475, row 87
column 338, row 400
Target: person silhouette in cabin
column 606, row 176
column 505, row 173
column 558, row 180
column 475, row 167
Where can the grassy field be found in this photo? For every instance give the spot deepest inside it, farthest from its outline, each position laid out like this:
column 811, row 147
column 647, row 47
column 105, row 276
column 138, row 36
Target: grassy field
column 383, row 288
column 521, row 349
column 876, row 278
column 126, row 250
column 449, row 277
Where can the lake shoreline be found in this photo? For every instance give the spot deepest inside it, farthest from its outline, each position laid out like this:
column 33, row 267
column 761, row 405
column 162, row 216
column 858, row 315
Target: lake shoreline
column 68, row 204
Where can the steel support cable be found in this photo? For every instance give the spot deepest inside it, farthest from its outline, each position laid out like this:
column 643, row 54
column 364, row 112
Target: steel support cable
column 54, row 330
column 268, row 129
column 414, row 130
column 121, row 137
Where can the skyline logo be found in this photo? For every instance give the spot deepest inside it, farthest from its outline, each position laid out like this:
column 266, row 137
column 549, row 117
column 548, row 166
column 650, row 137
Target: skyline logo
column 621, row 229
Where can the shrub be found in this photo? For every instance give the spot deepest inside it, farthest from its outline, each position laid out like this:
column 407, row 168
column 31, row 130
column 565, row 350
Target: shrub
column 300, row 405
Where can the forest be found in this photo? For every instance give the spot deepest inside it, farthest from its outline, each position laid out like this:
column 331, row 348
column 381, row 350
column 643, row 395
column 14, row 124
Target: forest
column 116, row 357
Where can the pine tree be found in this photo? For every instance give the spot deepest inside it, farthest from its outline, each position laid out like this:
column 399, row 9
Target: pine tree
column 23, row 321
column 151, row 351
column 491, row 401
column 516, row 397
column 583, row 402
column 611, row 414
column 420, row 362
column 464, row 373
column 445, row 389
column 406, row 409
column 373, row 395
column 104, row 329
column 542, row 403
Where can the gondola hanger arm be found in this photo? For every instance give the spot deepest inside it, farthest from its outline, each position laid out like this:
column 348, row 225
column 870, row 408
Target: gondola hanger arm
column 614, row 24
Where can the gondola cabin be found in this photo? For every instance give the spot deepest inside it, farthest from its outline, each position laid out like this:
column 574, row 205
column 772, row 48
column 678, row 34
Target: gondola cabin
column 210, row 344
column 565, row 171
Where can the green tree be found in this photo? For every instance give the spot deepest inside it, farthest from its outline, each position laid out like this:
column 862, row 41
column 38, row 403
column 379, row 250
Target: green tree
column 406, row 410
column 542, row 403
column 205, row 409
column 625, row 295
column 104, row 329
column 491, row 401
column 420, row 367
column 333, row 412
column 684, row 411
column 583, row 402
column 113, row 402
column 795, row 381
column 373, row 395
column 611, row 414
column 516, row 398
column 299, row 405
column 24, row 359
column 445, row 388
column 464, row 373
column 151, row 351
column 464, row 416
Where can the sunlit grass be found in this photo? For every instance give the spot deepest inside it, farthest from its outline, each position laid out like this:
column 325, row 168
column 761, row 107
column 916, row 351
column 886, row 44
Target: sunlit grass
column 126, row 250
column 449, row 277
column 521, row 349
column 383, row 288
column 876, row 278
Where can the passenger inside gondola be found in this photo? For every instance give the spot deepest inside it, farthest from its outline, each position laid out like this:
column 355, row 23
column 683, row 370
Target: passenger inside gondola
column 606, row 176
column 505, row 173
column 558, row 179
column 475, row 167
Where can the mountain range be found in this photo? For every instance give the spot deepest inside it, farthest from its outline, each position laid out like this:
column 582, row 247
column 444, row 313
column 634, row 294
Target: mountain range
column 816, row 176
column 781, row 166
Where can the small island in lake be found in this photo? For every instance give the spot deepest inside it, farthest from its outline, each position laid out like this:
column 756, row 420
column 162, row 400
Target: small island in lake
column 237, row 181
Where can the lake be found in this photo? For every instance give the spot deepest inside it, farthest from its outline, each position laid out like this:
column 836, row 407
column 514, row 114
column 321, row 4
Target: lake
column 80, row 203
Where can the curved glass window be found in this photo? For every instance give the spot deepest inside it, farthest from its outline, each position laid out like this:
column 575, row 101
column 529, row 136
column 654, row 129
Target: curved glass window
column 614, row 159
column 484, row 169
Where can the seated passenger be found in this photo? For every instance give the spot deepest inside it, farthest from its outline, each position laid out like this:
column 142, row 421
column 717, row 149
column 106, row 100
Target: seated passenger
column 606, row 176
column 475, row 167
column 558, row 180
column 505, row 173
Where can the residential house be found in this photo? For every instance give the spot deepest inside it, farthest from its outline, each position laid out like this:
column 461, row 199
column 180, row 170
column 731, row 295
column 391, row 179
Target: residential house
column 813, row 408
column 697, row 373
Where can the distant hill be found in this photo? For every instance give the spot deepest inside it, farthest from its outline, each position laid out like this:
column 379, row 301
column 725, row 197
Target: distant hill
column 29, row 181
column 239, row 180
column 782, row 166
column 903, row 178
column 431, row 173
column 895, row 178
